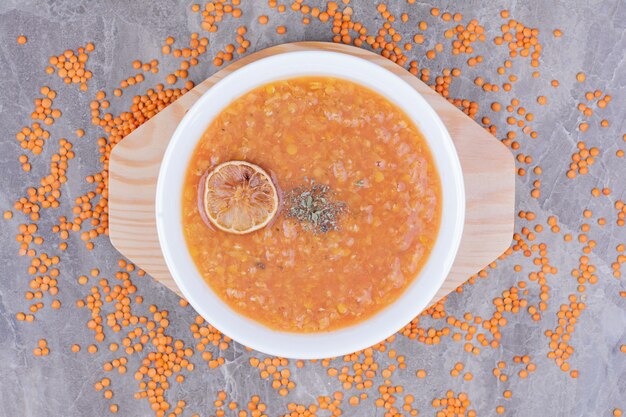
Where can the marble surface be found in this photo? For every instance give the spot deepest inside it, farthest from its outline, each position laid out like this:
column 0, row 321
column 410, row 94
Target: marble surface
column 62, row 383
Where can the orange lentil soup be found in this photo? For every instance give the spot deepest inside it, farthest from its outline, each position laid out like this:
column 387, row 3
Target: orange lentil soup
column 368, row 155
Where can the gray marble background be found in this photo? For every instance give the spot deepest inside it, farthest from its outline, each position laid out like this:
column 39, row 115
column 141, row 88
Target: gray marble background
column 61, row 384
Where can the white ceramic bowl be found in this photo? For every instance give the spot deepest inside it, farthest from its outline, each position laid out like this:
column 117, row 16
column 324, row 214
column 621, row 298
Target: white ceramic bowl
column 324, row 344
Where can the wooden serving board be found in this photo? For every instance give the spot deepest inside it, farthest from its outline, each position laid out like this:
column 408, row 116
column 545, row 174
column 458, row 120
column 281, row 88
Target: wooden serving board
column 488, row 169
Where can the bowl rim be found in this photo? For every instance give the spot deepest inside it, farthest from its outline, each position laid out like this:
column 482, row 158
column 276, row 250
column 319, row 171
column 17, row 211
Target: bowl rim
column 312, row 345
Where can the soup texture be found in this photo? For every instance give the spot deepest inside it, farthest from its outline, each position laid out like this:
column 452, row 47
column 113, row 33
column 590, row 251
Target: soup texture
column 359, row 212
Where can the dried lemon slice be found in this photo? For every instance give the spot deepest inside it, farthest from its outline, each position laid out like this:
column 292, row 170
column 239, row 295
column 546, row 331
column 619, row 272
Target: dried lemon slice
column 239, row 197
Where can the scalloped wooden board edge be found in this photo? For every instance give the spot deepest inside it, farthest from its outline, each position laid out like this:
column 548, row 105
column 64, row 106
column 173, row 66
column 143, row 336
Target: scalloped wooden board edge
column 488, row 169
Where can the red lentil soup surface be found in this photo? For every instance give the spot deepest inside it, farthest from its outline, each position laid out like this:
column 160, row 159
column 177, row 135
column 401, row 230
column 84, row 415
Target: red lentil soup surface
column 370, row 155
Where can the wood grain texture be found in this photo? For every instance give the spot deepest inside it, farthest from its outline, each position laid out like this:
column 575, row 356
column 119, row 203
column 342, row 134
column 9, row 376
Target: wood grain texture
column 488, row 169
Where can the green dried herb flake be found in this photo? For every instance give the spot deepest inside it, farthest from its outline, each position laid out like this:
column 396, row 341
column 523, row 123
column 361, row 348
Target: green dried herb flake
column 313, row 207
